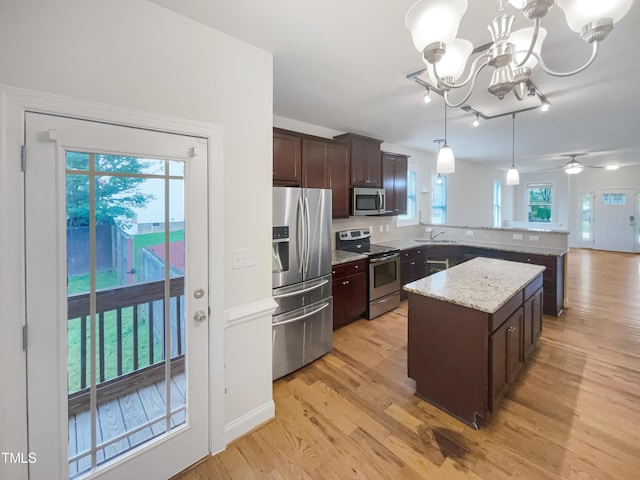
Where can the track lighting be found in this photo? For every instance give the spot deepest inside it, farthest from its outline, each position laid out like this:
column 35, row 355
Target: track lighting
column 427, row 97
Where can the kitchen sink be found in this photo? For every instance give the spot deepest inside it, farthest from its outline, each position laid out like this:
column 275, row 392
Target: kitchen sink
column 435, row 242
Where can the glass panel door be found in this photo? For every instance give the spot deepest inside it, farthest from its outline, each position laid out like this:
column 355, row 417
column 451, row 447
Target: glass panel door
column 118, row 351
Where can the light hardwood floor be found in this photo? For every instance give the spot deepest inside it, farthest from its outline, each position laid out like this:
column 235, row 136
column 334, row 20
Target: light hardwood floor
column 573, row 414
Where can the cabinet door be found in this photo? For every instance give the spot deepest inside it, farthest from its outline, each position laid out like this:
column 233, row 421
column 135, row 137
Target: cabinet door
column 506, row 354
column 532, row 323
column 356, row 289
column 499, row 345
column 400, row 185
column 339, row 176
column 287, row 156
column 315, row 164
column 536, row 314
column 516, row 357
column 388, row 182
column 365, row 163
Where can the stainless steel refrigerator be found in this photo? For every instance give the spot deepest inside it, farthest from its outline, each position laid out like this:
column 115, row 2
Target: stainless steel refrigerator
column 301, row 265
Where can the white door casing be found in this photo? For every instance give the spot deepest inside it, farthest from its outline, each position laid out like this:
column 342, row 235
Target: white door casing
column 47, row 138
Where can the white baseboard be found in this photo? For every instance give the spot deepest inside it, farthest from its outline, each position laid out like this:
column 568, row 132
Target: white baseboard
column 249, row 421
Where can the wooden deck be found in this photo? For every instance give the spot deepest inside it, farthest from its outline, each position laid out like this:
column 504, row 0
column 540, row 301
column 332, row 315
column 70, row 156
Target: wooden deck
column 120, row 415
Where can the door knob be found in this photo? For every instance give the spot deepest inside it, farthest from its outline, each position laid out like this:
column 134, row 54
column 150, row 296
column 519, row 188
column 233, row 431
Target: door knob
column 200, row 316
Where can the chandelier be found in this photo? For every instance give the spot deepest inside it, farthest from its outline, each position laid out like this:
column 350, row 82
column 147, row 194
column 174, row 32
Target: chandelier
column 434, row 25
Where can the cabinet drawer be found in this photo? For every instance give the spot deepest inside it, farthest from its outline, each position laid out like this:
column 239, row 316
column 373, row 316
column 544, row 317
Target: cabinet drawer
column 344, row 269
column 533, row 286
column 505, row 311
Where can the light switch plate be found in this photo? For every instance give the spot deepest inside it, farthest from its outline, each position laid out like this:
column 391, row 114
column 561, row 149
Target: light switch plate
column 534, row 238
column 517, row 236
column 244, row 257
column 469, row 233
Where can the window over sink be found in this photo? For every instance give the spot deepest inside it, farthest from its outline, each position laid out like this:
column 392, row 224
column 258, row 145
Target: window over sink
column 539, row 202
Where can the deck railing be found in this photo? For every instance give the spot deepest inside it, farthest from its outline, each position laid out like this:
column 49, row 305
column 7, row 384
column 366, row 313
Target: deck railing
column 130, row 355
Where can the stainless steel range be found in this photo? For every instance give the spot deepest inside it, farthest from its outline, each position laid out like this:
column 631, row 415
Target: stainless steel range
column 384, row 269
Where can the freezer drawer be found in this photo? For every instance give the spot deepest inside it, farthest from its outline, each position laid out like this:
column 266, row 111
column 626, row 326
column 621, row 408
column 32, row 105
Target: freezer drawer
column 301, row 294
column 301, row 336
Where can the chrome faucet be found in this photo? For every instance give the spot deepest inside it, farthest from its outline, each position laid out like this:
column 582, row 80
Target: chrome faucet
column 432, row 236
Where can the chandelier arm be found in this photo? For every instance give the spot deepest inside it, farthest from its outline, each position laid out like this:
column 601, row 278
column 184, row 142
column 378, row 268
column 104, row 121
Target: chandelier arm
column 534, row 39
column 472, row 73
column 594, row 53
column 473, row 84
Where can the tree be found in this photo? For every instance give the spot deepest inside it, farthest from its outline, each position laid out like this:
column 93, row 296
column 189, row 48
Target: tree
column 115, row 196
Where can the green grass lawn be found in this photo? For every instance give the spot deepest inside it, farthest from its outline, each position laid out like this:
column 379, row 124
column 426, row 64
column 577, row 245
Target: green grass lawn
column 80, row 284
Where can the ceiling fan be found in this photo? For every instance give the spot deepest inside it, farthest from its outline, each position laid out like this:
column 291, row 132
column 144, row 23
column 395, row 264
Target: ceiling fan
column 573, row 166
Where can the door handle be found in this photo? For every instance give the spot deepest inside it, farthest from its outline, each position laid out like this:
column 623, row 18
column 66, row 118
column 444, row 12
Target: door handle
column 200, row 316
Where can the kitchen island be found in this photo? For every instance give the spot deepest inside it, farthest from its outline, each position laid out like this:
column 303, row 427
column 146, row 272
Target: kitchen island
column 470, row 330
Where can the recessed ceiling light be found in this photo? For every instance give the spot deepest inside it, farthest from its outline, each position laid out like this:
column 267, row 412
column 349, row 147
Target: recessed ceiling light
column 612, row 167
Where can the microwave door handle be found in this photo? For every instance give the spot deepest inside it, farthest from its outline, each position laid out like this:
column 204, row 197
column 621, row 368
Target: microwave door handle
column 380, row 201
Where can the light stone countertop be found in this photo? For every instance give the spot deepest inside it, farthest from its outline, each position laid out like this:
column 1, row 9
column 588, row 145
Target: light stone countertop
column 413, row 242
column 484, row 284
column 342, row 256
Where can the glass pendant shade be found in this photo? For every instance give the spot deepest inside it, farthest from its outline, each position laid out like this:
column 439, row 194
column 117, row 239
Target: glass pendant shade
column 446, row 162
column 431, row 21
column 453, row 62
column 573, row 168
column 513, row 177
column 521, row 40
column 582, row 12
column 519, row 4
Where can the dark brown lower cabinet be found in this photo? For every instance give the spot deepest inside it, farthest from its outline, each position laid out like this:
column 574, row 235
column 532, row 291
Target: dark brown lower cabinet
column 349, row 292
column 506, row 355
column 464, row 360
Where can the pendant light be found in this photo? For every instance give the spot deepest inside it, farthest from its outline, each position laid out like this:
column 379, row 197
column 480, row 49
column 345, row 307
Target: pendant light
column 513, row 178
column 446, row 163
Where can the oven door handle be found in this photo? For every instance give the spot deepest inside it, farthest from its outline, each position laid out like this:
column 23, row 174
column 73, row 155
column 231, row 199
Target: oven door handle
column 384, row 259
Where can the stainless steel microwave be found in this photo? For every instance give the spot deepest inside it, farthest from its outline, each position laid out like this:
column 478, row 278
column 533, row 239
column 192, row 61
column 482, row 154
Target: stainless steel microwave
column 367, row 201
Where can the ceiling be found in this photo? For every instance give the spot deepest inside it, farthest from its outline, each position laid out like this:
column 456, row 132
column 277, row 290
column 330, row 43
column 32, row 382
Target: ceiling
column 343, row 65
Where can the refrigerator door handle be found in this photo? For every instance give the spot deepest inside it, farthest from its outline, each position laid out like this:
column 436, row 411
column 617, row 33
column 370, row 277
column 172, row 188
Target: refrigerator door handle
column 300, row 317
column 305, row 290
column 300, row 245
column 308, row 234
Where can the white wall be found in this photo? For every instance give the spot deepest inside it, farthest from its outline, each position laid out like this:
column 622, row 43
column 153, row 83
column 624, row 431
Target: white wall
column 137, row 55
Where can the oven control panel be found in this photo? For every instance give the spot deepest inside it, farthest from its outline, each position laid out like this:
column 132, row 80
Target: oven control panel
column 354, row 234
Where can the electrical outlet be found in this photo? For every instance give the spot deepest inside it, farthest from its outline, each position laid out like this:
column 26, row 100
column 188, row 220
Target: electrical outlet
column 534, row 238
column 386, row 227
column 469, row 233
column 381, row 228
column 244, row 257
column 517, row 236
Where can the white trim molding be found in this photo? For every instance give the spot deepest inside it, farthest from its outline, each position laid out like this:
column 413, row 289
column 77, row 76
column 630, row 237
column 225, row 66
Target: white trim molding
column 249, row 421
column 250, row 312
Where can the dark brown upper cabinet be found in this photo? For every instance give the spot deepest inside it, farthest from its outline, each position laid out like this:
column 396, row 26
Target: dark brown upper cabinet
column 312, row 162
column 394, row 182
column 365, row 159
column 287, row 158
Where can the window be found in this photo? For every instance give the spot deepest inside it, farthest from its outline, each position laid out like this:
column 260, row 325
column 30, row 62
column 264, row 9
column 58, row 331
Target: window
column 614, row 199
column 411, row 218
column 539, row 202
column 497, row 204
column 439, row 200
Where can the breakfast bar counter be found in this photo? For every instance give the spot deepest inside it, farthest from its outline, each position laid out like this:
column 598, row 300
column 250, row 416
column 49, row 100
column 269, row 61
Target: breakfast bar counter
column 470, row 330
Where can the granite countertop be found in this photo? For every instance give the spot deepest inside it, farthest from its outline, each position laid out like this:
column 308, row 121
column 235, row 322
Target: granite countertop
column 484, row 284
column 413, row 242
column 342, row 256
